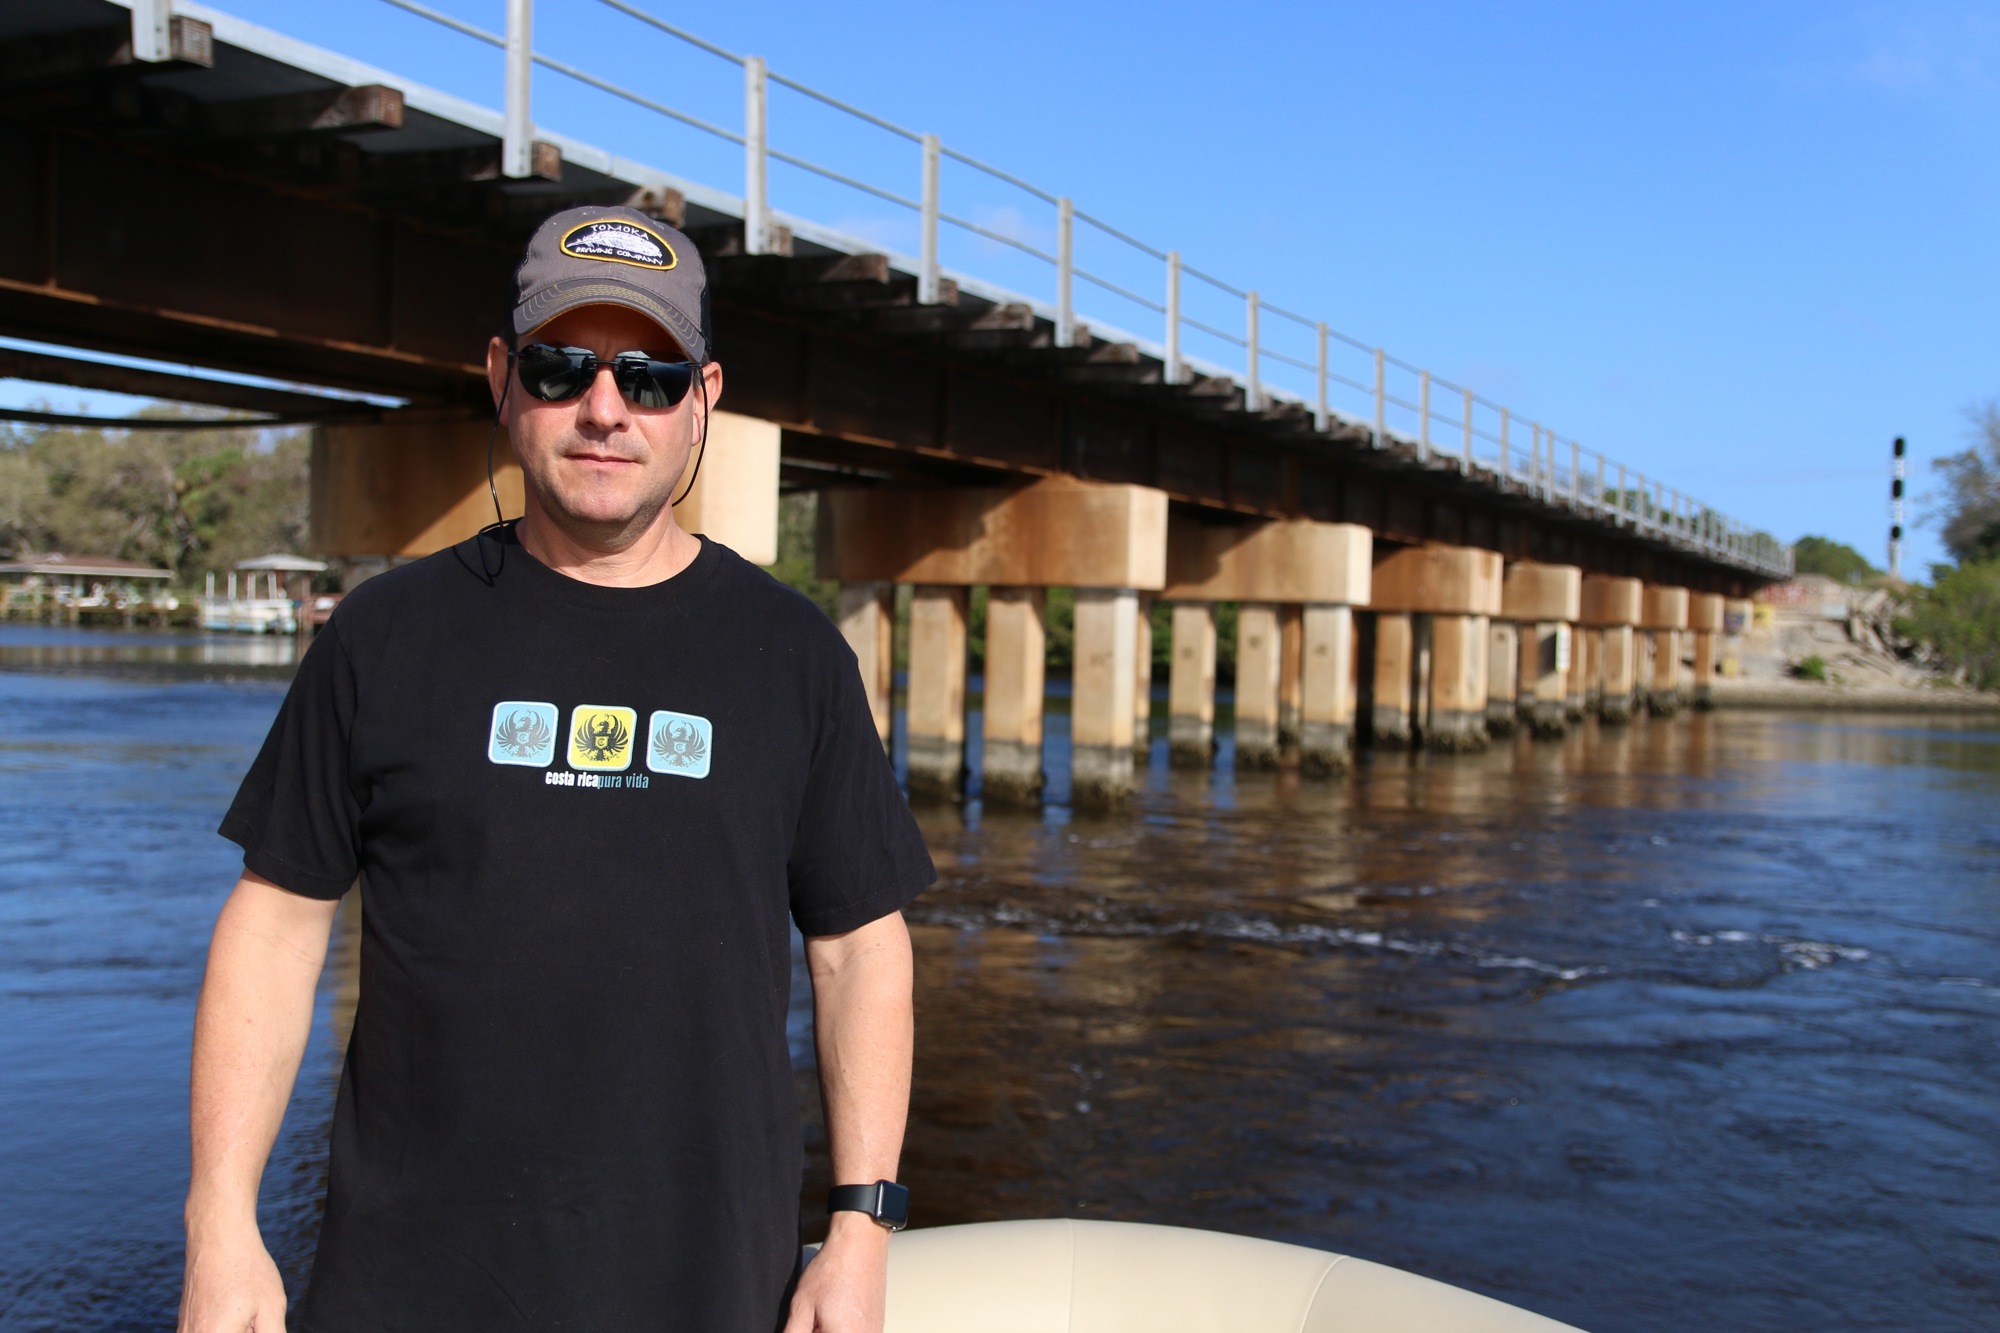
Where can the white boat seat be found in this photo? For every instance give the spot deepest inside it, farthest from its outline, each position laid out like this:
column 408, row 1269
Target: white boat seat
column 1063, row 1276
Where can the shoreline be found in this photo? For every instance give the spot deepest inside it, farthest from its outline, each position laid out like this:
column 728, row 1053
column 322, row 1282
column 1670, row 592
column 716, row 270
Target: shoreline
column 1812, row 696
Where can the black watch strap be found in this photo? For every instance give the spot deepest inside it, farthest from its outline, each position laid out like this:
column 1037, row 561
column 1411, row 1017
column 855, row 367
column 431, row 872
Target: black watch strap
column 885, row 1201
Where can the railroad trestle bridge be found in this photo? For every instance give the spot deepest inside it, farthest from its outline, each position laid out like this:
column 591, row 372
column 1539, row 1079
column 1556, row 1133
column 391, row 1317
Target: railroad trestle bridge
column 1413, row 563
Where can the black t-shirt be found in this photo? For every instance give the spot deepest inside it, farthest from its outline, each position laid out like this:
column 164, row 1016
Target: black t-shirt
column 583, row 819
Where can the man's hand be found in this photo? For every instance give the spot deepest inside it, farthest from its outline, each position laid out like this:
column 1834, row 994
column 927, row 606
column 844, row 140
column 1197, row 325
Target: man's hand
column 844, row 1288
column 231, row 1286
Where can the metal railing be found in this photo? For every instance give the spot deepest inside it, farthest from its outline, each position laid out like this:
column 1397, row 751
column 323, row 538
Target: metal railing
column 1282, row 360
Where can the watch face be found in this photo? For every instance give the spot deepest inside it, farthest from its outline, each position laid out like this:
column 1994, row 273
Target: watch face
column 893, row 1207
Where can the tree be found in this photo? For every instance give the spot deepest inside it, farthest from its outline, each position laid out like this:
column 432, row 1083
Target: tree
column 189, row 500
column 1834, row 560
column 1959, row 616
column 1972, row 506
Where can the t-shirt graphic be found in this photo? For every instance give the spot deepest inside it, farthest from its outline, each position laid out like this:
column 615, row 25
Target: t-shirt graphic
column 600, row 737
column 523, row 733
column 680, row 744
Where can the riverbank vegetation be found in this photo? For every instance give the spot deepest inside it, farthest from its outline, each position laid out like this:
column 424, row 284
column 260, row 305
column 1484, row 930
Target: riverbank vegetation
column 189, row 500
column 1958, row 615
column 1835, row 560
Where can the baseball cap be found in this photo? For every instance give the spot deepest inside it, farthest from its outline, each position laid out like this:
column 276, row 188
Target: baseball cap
column 614, row 256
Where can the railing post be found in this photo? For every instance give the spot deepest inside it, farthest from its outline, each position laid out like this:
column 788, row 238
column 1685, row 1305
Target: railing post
column 1253, row 397
column 1624, row 498
column 1660, row 507
column 1602, row 505
column 1381, row 400
column 1174, row 367
column 1506, row 418
column 756, row 160
column 1468, row 433
column 930, row 285
column 1065, row 263
column 1423, row 416
column 151, row 39
column 517, row 133
column 1535, row 459
column 1322, row 415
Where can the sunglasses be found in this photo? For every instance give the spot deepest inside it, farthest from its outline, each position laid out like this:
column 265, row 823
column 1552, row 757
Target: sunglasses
column 558, row 374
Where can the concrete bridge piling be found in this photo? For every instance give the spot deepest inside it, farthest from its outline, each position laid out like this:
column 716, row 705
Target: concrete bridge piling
column 1191, row 686
column 1016, row 667
column 1297, row 582
column 867, row 614
column 1545, row 601
column 1433, row 607
column 1665, row 620
column 1611, row 608
column 1503, row 677
column 1106, row 541
column 1704, row 627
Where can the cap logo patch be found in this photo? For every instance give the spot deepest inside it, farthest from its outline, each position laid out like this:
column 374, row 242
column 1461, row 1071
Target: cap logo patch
column 619, row 243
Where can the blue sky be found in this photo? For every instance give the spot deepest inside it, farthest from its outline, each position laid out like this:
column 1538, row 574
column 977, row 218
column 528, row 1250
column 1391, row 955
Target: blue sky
column 1739, row 246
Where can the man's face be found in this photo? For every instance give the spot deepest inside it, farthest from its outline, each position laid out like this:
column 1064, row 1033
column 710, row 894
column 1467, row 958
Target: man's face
column 601, row 467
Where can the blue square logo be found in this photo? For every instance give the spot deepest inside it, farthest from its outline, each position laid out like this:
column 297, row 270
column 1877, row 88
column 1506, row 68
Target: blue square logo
column 523, row 733
column 679, row 743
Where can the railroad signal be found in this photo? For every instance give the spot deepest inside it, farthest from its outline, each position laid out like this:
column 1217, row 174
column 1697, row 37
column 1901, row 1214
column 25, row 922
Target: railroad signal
column 1896, row 510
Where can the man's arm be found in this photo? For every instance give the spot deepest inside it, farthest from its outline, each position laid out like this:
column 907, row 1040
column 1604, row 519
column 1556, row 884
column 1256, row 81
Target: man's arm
column 250, row 1032
column 865, row 1032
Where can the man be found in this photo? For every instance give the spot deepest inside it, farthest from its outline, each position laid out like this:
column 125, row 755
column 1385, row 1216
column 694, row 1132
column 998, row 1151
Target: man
column 588, row 768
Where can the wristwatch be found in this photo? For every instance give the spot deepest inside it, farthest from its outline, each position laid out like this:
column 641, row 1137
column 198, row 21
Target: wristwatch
column 885, row 1201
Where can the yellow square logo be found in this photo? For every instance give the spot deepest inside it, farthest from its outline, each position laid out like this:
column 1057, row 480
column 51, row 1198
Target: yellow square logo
column 600, row 737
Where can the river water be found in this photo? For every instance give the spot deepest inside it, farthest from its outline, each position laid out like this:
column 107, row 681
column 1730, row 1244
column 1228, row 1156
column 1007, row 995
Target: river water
column 1690, row 1024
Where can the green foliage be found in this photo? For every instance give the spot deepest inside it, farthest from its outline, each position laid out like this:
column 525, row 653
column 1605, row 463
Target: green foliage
column 1812, row 668
column 1971, row 529
column 1061, row 622
column 186, row 500
column 798, row 521
column 1832, row 559
column 1959, row 616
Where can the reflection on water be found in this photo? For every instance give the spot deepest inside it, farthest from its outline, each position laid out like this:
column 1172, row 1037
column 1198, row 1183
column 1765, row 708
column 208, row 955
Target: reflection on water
column 1688, row 1024
column 143, row 653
